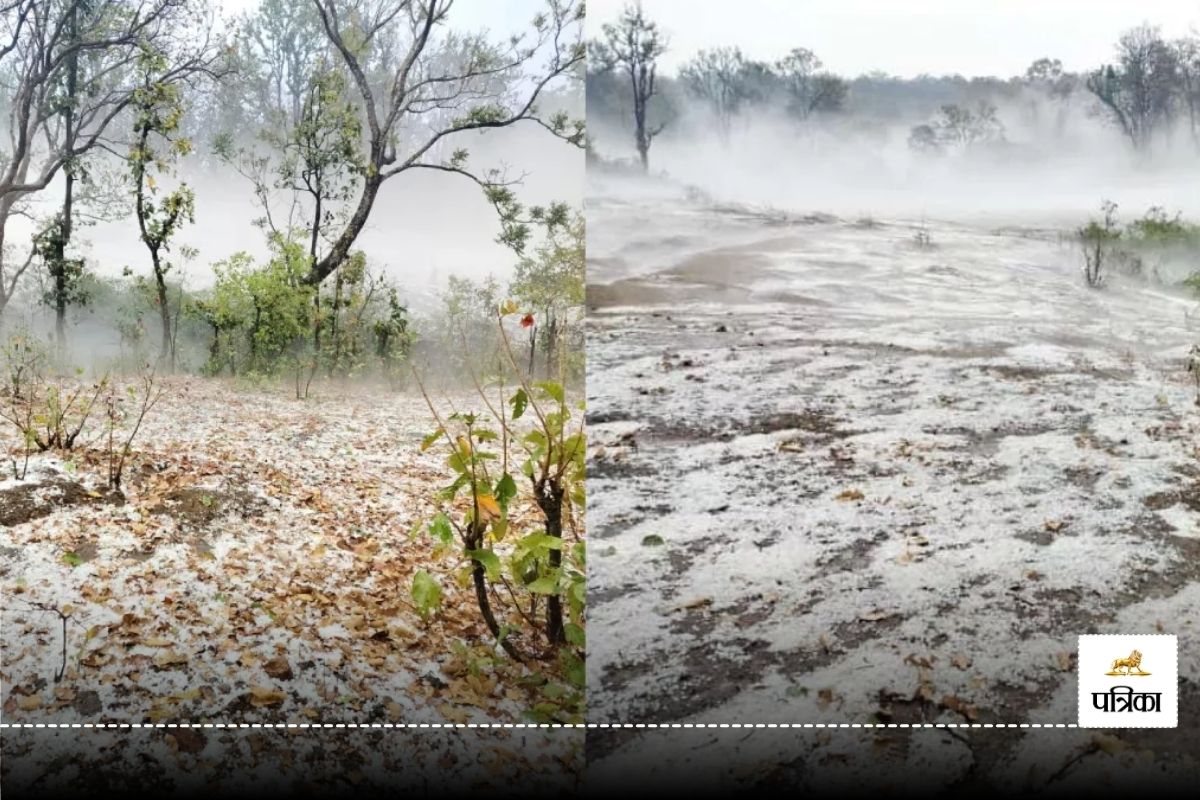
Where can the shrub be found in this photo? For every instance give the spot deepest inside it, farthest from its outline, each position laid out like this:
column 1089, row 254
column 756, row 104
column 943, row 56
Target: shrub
column 536, row 562
column 1098, row 241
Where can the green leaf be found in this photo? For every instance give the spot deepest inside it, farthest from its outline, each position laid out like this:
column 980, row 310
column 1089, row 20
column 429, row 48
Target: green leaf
column 499, row 528
column 551, row 388
column 574, row 447
column 458, row 463
column 451, row 491
column 72, row 559
column 575, row 634
column 519, row 401
column 653, row 540
column 506, row 489
column 490, row 561
column 440, row 528
column 577, row 672
column 547, row 584
column 426, row 594
column 428, row 441
column 540, row 541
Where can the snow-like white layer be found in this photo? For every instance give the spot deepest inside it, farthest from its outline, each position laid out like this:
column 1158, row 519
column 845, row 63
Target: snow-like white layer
column 876, row 467
column 255, row 527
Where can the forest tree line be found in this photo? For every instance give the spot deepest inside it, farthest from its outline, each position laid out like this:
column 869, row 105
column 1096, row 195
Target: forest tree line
column 1149, row 92
column 310, row 106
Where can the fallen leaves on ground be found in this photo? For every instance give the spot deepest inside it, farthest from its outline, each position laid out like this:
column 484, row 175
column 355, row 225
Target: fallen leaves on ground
column 257, row 569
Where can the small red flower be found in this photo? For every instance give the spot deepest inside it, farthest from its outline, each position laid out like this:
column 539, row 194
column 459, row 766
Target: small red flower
column 527, row 321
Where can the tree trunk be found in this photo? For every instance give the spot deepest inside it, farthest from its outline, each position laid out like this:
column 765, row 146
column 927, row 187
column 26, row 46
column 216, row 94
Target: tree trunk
column 551, row 347
column 549, row 500
column 164, row 312
column 312, row 256
column 335, row 357
column 341, row 248
column 60, row 256
column 532, row 349
column 214, row 350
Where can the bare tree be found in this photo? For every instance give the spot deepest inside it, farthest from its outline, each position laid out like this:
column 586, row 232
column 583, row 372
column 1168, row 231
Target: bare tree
column 962, row 127
column 1187, row 58
column 720, row 77
column 1139, row 90
column 41, row 44
column 283, row 39
column 420, row 85
column 1050, row 83
column 809, row 89
column 634, row 45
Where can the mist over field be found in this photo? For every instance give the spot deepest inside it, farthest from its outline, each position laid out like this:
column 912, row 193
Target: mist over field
column 890, row 390
column 841, row 169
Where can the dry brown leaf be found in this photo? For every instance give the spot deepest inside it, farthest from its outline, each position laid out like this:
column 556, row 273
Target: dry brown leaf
column 279, row 668
column 954, row 703
column 185, row 740
column 166, row 659
column 826, row 698
column 261, row 696
column 849, row 494
column 489, row 507
column 924, row 662
column 694, row 603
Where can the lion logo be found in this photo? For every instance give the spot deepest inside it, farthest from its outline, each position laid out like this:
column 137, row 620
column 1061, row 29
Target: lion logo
column 1127, row 666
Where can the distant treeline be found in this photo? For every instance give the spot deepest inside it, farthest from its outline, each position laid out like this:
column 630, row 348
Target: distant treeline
column 1149, row 92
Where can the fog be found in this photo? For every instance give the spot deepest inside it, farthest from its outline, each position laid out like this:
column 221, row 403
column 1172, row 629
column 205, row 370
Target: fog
column 853, row 355
column 423, row 227
column 840, row 167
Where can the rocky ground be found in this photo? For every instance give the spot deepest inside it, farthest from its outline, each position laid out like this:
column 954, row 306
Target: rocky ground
column 873, row 471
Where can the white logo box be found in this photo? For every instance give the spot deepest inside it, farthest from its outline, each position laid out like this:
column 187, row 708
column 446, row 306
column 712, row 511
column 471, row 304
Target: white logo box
column 1128, row 700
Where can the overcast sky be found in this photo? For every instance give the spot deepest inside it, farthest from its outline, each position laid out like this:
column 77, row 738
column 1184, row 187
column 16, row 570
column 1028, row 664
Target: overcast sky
column 500, row 16
column 908, row 37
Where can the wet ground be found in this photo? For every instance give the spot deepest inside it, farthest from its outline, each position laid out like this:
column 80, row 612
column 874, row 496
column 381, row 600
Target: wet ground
column 872, row 471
